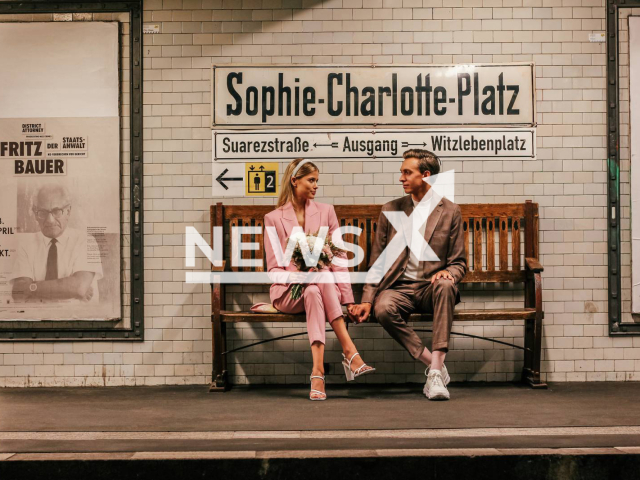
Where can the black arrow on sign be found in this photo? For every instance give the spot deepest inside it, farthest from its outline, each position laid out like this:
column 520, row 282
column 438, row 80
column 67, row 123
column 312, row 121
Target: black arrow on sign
column 332, row 145
column 407, row 144
column 220, row 179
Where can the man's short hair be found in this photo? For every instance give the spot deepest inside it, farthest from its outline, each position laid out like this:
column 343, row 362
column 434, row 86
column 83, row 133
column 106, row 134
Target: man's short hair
column 53, row 189
column 427, row 161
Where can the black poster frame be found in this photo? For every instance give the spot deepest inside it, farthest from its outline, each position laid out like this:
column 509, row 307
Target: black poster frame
column 616, row 326
column 78, row 330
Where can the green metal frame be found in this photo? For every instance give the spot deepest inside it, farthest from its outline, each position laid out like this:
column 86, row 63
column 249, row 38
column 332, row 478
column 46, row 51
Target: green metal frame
column 78, row 330
column 616, row 326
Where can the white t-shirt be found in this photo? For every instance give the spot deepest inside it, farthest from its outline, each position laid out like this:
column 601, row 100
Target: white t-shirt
column 73, row 256
column 421, row 211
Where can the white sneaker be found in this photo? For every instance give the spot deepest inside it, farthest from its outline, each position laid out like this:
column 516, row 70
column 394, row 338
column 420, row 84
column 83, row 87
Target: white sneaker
column 445, row 374
column 434, row 388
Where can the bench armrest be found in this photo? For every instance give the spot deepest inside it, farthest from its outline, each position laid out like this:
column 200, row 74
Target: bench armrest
column 533, row 265
column 219, row 269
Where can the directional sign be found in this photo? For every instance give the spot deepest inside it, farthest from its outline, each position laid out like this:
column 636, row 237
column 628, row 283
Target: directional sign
column 228, row 179
column 338, row 145
column 245, row 179
column 261, row 179
column 222, row 180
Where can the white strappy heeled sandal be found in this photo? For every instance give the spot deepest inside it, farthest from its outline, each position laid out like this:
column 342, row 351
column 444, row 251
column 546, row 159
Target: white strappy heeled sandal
column 363, row 369
column 320, row 395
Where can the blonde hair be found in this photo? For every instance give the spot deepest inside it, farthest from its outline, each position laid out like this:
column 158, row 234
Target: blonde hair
column 286, row 190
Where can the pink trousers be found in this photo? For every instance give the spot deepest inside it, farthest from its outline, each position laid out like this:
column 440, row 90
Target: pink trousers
column 321, row 301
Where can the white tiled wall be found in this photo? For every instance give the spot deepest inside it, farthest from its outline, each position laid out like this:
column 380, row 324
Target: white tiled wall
column 567, row 180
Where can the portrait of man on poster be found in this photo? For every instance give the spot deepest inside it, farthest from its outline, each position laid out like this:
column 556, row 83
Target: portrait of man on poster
column 55, row 263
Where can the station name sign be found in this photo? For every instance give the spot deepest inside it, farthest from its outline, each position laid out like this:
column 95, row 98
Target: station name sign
column 334, row 95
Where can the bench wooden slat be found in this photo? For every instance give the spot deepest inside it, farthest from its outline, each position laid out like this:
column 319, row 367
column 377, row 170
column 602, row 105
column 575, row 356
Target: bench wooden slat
column 504, row 243
column 349, row 237
column 373, row 230
column 515, row 244
column 246, row 254
column 491, row 245
column 492, row 209
column 237, row 211
column 260, row 238
column 362, row 212
column 496, row 276
column 234, row 222
column 477, row 244
column 465, row 227
column 361, row 264
column 460, row 315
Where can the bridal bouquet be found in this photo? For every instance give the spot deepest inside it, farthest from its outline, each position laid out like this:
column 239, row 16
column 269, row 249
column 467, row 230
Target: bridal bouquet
column 329, row 250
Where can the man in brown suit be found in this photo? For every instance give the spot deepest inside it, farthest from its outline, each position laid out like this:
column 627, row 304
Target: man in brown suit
column 411, row 284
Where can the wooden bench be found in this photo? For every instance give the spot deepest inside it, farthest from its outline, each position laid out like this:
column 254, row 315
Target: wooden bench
column 501, row 243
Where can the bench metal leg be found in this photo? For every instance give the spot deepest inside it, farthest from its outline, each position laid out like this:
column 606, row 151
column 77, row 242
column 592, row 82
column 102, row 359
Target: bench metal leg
column 220, row 383
column 532, row 353
column 220, row 377
column 533, row 332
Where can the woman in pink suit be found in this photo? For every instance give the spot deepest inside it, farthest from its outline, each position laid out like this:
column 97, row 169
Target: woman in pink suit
column 322, row 302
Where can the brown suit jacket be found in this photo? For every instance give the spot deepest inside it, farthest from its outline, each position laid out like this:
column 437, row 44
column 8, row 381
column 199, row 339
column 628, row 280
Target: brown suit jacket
column 443, row 233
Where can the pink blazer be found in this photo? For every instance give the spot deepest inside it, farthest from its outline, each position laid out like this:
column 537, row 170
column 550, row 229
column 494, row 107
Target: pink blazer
column 284, row 220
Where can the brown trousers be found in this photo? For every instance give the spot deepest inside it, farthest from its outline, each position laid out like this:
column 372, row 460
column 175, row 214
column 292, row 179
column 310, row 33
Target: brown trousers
column 393, row 306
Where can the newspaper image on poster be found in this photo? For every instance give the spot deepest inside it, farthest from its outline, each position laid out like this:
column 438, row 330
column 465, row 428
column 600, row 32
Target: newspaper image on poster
column 60, row 219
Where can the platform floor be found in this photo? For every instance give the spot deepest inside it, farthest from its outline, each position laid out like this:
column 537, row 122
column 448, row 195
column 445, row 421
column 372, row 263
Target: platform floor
column 248, row 422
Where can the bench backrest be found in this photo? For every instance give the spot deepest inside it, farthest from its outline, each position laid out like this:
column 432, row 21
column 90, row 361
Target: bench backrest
column 497, row 236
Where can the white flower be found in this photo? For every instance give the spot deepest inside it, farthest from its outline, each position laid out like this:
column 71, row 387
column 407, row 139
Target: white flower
column 298, row 236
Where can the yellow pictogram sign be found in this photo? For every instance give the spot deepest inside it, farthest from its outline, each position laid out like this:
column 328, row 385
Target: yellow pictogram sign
column 261, row 179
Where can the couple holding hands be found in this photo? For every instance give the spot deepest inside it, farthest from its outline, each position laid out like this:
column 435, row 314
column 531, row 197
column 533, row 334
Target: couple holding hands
column 409, row 286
